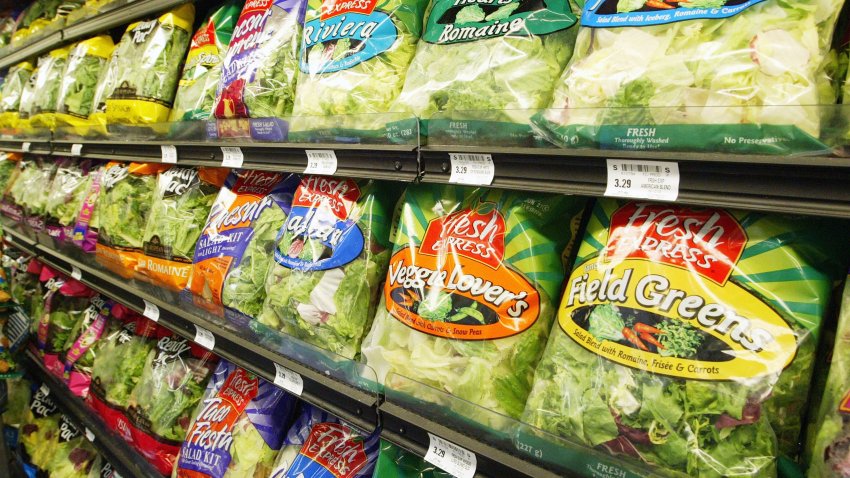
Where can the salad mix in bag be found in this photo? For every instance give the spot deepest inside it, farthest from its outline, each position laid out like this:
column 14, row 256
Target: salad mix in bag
column 86, row 65
column 65, row 303
column 79, row 350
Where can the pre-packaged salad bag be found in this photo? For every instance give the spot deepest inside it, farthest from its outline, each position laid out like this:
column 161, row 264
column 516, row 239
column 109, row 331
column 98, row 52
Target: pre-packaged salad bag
column 10, row 205
column 119, row 360
column 9, row 170
column 395, row 462
column 25, row 287
column 84, row 232
column 65, row 198
column 195, row 96
column 86, row 64
column 320, row 445
column 261, row 65
column 695, row 75
column 469, row 297
column 145, row 76
column 238, row 427
column 236, row 246
column 65, row 303
column 34, row 193
column 79, row 352
column 686, row 337
column 172, row 384
column 39, row 432
column 123, row 206
column 48, row 80
column 181, row 203
column 493, row 63
column 74, row 455
column 353, row 61
column 16, row 79
column 329, row 260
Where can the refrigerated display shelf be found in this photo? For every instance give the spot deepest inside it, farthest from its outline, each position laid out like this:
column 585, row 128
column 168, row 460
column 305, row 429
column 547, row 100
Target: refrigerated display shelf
column 122, row 456
column 88, row 27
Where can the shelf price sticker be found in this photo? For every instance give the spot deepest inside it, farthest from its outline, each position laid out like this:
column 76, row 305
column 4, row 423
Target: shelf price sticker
column 169, row 153
column 288, row 380
column 204, row 338
column 89, row 434
column 233, row 157
column 151, row 311
column 44, row 390
column 76, row 149
column 473, row 169
column 643, row 179
column 321, row 161
column 76, row 273
column 451, row 458
column 25, row 147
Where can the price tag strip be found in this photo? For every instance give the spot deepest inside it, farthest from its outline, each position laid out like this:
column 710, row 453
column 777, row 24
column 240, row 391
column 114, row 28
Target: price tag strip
column 151, row 311
column 89, row 434
column 76, row 273
column 643, row 179
column 76, row 149
column 451, row 458
column 233, row 157
column 321, row 161
column 204, row 338
column 288, row 380
column 25, row 147
column 169, row 153
column 474, row 169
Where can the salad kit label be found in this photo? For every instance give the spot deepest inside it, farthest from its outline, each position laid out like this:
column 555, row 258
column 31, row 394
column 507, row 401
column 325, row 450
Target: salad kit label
column 456, row 283
column 332, row 450
column 618, row 13
column 346, row 33
column 638, row 306
column 456, row 21
column 319, row 220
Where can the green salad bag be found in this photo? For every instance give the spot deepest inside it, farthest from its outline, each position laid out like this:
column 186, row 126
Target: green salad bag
column 686, row 337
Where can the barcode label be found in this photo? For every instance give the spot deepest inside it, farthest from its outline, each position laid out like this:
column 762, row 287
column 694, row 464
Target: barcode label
column 76, row 273
column 320, row 161
column 169, row 153
column 470, row 168
column 204, row 338
column 25, row 147
column 288, row 380
column 76, row 149
column 451, row 458
column 233, row 157
column 151, row 311
column 643, row 179
column 17, row 328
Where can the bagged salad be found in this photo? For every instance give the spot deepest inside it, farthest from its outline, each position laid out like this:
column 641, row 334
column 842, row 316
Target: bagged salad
column 25, row 287
column 329, row 260
column 16, row 79
column 696, row 75
column 39, row 434
column 468, row 300
column 65, row 198
column 84, row 232
column 9, row 170
column 119, row 360
column 238, row 427
column 353, row 60
column 686, row 337
column 172, row 384
column 144, row 79
column 195, row 96
column 48, row 80
column 13, row 206
column 123, row 206
column 33, row 193
column 78, row 353
column 181, row 203
column 320, row 445
column 75, row 455
column 493, row 63
column 261, row 65
column 236, row 246
column 65, row 303
column 86, row 64
column 33, row 20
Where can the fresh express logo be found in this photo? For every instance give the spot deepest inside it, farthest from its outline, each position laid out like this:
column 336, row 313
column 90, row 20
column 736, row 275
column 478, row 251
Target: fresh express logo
column 477, row 234
column 707, row 241
column 204, row 37
column 331, row 8
column 335, row 195
column 337, row 448
column 213, row 427
column 249, row 30
column 240, row 387
column 256, row 182
column 142, row 31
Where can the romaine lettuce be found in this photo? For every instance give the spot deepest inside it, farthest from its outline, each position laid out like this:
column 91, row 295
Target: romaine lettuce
column 86, row 63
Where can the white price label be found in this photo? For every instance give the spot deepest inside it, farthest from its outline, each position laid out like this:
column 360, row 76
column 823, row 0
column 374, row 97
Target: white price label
column 321, row 161
column 643, row 179
column 89, row 434
column 25, row 147
column 232, row 157
column 288, row 380
column 44, row 390
column 449, row 457
column 169, row 153
column 151, row 311
column 76, row 273
column 204, row 338
column 76, row 149
column 475, row 169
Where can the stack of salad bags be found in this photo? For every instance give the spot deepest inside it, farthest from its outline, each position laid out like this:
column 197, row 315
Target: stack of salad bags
column 253, row 414
column 31, row 172
column 39, row 432
column 353, row 61
column 34, row 20
column 331, row 255
column 686, row 337
column 469, row 297
column 17, row 77
column 143, row 73
column 493, row 64
column 48, row 80
column 79, row 351
column 85, row 68
column 745, row 78
column 68, row 190
column 235, row 250
column 32, row 194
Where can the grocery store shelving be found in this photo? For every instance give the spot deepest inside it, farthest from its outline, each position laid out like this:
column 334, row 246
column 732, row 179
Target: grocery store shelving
column 122, row 456
column 87, row 27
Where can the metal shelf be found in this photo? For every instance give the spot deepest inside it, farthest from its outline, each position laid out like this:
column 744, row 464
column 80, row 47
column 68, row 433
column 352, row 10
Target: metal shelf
column 122, row 456
column 88, row 27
